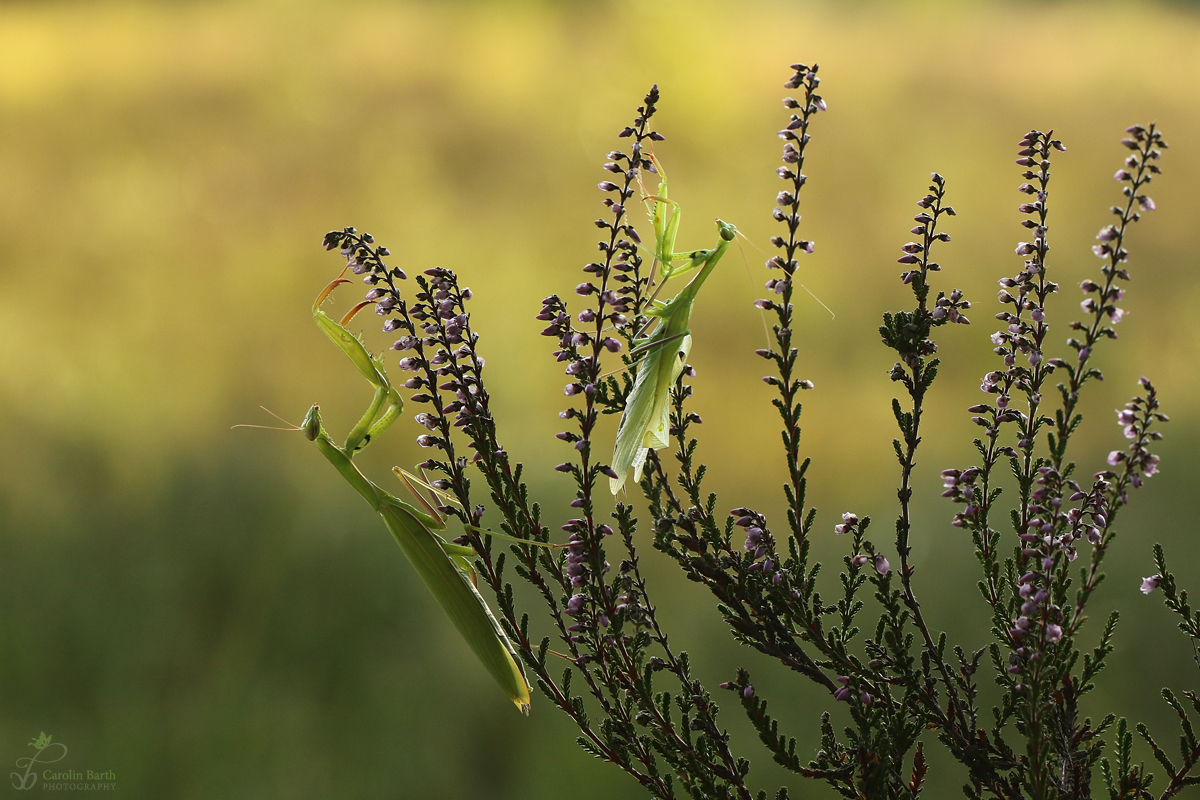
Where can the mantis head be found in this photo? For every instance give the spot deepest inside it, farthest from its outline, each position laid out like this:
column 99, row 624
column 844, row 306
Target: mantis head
column 312, row 423
column 727, row 230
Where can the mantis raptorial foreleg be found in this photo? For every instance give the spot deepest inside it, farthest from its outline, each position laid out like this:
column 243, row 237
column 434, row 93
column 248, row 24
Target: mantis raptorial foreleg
column 445, row 567
column 665, row 215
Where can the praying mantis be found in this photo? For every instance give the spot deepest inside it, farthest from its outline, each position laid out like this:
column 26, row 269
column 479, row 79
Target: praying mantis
column 445, row 567
column 645, row 422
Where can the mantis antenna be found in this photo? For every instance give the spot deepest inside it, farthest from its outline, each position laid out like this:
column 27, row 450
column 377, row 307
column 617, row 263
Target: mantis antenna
column 290, row 428
column 801, row 285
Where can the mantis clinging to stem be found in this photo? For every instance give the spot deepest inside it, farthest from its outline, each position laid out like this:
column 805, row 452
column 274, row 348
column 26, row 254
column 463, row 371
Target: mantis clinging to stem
column 645, row 423
column 445, row 567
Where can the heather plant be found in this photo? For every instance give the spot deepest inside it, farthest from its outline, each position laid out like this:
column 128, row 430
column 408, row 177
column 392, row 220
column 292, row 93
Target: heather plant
column 594, row 646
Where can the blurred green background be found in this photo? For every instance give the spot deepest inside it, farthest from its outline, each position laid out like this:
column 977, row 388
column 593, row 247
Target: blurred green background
column 211, row 613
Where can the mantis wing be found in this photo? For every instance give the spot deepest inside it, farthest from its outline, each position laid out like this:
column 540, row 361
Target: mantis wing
column 460, row 600
column 645, row 424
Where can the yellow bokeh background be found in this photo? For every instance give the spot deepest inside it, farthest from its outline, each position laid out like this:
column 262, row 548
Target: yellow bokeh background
column 209, row 612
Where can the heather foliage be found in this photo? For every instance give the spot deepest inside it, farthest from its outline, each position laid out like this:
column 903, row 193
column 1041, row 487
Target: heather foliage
column 1040, row 527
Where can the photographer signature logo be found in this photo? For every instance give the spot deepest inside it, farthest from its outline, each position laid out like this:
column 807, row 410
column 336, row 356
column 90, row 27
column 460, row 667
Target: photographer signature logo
column 46, row 752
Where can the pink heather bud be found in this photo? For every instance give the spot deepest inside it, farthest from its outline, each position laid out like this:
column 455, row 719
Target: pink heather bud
column 849, row 518
column 1150, row 584
column 606, row 186
column 1053, row 633
column 748, row 692
column 842, row 694
column 881, row 565
column 1115, row 457
column 1025, row 248
column 1121, row 175
column 860, row 560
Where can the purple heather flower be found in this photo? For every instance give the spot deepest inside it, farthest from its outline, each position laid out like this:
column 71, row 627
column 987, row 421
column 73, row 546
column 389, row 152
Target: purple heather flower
column 575, row 605
column 1053, row 633
column 881, row 565
column 1150, row 584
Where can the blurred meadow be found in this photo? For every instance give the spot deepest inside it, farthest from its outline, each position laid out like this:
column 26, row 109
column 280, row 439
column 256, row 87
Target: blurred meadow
column 211, row 613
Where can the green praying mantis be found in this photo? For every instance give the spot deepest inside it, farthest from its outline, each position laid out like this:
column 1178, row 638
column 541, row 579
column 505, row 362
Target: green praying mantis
column 645, row 423
column 445, row 567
